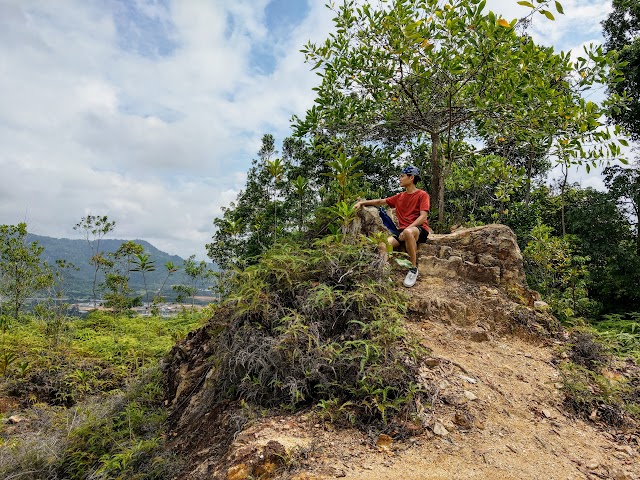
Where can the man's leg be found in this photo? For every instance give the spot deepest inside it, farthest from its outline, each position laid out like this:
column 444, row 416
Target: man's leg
column 382, row 248
column 410, row 238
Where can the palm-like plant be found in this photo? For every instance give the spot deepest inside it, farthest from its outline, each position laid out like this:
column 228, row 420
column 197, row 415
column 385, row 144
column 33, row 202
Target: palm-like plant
column 343, row 171
column 171, row 268
column 143, row 264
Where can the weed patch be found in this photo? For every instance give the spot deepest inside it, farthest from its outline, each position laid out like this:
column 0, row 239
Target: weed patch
column 86, row 413
column 125, row 441
column 95, row 355
column 320, row 326
column 598, row 386
column 621, row 333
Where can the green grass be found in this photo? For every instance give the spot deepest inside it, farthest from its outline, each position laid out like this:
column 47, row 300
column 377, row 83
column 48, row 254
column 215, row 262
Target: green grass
column 91, row 396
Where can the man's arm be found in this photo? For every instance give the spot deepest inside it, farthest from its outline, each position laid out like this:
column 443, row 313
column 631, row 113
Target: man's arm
column 370, row 203
column 420, row 220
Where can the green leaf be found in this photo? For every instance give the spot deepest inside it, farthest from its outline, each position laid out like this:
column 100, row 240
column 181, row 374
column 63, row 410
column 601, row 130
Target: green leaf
column 624, row 142
column 526, row 4
column 548, row 14
column 559, row 8
column 403, row 262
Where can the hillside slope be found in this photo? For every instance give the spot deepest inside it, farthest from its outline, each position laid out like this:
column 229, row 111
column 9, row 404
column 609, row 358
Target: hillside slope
column 508, row 425
column 494, row 408
column 79, row 281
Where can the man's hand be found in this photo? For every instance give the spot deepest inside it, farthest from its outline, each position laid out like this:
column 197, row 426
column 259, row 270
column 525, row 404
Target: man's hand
column 358, row 204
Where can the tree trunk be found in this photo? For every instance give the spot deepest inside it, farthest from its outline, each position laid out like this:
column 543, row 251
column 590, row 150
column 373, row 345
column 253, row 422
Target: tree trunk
column 527, row 194
column 562, row 191
column 436, row 177
column 441, row 202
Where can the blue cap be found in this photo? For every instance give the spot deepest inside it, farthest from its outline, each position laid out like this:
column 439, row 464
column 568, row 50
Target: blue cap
column 411, row 170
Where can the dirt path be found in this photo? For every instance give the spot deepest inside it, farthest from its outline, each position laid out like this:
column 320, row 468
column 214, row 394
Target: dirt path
column 508, row 425
column 523, row 433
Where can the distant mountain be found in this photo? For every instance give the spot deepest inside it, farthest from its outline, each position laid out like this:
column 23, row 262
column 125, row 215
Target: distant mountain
column 78, row 283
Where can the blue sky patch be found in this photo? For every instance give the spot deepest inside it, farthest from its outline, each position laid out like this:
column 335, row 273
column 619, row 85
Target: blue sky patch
column 144, row 31
column 281, row 17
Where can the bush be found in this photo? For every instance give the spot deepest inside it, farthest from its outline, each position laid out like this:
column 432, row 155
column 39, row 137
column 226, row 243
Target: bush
column 587, row 351
column 594, row 388
column 321, row 325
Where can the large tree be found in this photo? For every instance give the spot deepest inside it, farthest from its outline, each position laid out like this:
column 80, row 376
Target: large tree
column 410, row 71
column 246, row 227
column 607, row 239
column 624, row 187
column 622, row 33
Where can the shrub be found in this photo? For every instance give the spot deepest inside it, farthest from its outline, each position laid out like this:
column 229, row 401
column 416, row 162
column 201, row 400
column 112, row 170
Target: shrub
column 592, row 395
column 587, row 351
column 124, row 440
column 594, row 388
column 320, row 325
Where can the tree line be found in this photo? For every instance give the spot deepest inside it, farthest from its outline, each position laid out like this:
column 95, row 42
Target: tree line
column 24, row 274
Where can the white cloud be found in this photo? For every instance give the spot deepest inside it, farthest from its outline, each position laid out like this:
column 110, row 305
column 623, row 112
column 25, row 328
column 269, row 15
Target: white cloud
column 98, row 121
column 579, row 23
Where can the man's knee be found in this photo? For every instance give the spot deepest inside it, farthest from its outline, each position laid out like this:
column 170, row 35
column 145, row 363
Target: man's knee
column 410, row 233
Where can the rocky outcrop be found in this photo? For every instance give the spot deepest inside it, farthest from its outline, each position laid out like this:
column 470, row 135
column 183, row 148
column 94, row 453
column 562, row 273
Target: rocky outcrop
column 472, row 278
column 487, row 254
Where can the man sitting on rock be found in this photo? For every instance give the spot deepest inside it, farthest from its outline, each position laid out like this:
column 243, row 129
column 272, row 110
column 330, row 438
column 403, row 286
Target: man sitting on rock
column 412, row 209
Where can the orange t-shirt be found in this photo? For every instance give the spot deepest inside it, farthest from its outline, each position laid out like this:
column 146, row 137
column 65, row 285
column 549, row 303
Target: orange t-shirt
column 408, row 207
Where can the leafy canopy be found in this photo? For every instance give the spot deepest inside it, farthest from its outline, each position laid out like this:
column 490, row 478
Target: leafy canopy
column 411, row 71
column 622, row 33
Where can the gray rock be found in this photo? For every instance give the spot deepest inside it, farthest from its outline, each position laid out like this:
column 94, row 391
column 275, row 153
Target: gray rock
column 440, row 430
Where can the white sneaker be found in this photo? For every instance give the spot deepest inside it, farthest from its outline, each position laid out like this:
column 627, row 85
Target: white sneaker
column 410, row 279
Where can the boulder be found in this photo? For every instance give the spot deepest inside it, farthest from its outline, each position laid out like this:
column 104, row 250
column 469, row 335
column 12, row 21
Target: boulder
column 473, row 278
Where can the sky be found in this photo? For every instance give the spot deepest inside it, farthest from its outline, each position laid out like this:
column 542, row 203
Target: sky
column 150, row 111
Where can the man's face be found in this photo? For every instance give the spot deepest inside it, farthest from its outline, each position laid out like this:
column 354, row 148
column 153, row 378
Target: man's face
column 405, row 180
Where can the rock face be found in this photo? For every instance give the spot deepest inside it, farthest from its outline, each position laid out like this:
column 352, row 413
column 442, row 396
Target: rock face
column 487, row 254
column 473, row 278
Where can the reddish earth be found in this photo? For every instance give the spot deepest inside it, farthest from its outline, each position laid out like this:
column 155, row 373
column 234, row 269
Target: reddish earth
column 495, row 410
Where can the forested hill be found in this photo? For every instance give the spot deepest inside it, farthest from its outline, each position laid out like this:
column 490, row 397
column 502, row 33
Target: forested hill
column 78, row 283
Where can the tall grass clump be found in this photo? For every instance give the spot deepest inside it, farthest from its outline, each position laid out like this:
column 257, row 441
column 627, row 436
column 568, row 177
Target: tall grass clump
column 598, row 382
column 317, row 326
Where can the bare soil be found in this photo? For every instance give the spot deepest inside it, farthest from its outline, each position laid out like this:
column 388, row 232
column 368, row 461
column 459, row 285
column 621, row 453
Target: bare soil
column 500, row 404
